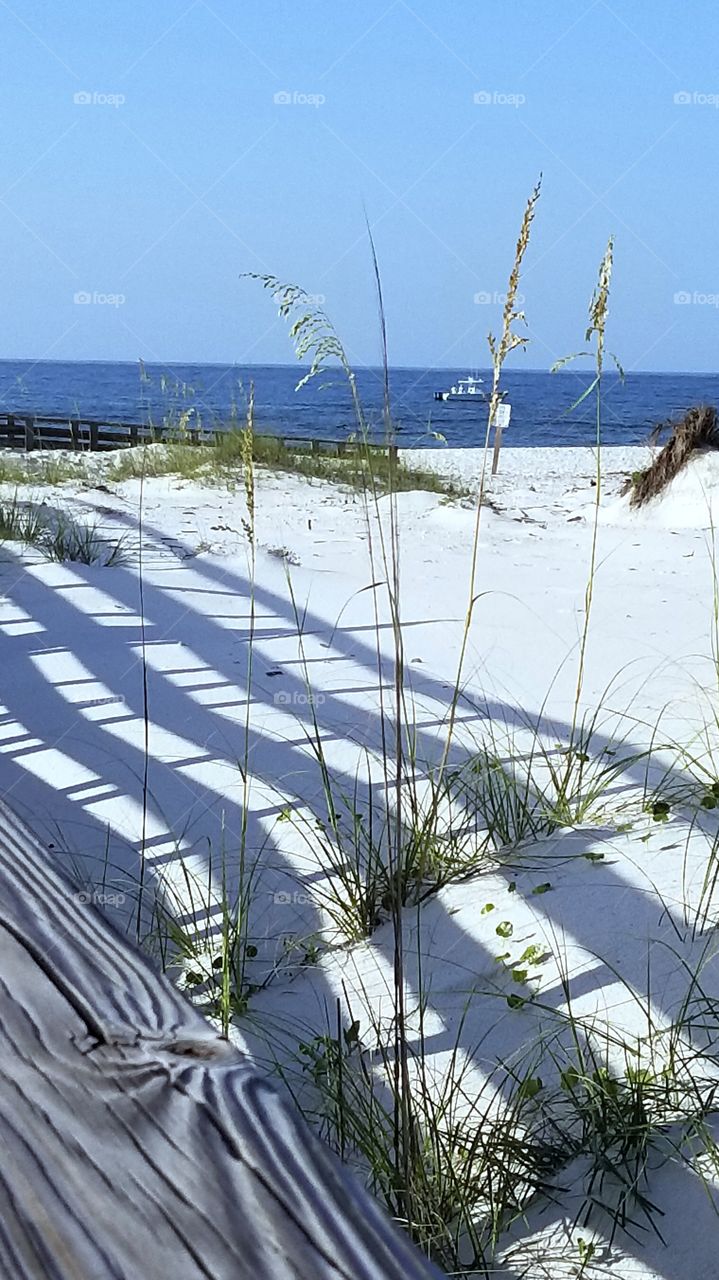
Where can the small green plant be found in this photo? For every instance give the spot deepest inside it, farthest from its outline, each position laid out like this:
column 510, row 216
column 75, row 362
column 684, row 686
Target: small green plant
column 586, row 1250
column 614, row 1121
column 202, row 929
column 469, row 1167
column 519, row 786
column 660, row 810
column 360, row 882
column 65, row 539
column 57, row 536
column 23, row 522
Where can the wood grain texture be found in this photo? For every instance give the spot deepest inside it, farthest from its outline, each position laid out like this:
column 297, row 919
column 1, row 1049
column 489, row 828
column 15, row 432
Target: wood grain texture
column 134, row 1142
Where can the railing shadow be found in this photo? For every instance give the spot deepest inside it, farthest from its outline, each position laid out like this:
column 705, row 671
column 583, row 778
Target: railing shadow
column 126, row 737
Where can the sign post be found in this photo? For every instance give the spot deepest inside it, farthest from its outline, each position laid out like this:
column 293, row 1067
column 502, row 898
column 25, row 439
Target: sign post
column 502, row 415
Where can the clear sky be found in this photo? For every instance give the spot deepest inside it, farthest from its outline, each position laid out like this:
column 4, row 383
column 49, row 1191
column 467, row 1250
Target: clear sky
column 182, row 170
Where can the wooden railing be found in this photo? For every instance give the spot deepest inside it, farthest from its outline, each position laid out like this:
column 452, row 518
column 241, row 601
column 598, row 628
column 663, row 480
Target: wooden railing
column 136, row 1143
column 30, row 431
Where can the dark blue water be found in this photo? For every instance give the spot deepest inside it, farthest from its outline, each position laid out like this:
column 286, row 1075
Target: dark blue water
column 210, row 394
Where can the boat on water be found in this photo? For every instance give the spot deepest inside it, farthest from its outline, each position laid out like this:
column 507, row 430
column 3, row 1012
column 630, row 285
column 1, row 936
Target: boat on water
column 466, row 389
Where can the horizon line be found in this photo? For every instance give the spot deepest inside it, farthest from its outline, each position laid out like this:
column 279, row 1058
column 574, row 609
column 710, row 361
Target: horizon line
column 410, row 368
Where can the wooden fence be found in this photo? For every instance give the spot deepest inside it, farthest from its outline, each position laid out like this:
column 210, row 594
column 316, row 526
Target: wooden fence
column 30, row 431
column 136, row 1143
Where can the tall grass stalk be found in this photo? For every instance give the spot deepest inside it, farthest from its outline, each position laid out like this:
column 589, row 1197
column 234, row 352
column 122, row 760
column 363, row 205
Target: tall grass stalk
column 429, row 1144
column 314, row 337
column 145, row 698
column 249, row 482
column 508, row 341
column 404, row 1120
column 598, row 312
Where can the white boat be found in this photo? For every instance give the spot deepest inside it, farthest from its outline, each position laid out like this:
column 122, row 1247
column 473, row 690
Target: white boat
column 467, row 389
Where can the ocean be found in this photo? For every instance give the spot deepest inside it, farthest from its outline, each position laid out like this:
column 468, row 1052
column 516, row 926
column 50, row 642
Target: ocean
column 541, row 402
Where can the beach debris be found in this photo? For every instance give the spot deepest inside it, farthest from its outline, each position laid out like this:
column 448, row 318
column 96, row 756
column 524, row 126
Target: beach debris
column 697, row 430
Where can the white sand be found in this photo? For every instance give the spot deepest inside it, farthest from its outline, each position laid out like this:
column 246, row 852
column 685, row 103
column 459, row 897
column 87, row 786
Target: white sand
column 521, row 464
column 73, row 737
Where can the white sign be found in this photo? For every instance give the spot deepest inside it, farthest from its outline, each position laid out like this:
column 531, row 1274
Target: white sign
column 502, row 416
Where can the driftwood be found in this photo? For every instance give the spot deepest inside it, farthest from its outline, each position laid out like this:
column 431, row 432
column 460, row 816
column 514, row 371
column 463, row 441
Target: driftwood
column 137, row 1144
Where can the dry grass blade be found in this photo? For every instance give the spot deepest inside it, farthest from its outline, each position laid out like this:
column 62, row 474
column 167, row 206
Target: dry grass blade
column 312, row 332
column 599, row 306
column 698, row 429
column 499, row 351
column 510, row 317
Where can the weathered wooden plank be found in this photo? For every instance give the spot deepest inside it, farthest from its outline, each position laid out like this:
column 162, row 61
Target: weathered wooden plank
column 136, row 1143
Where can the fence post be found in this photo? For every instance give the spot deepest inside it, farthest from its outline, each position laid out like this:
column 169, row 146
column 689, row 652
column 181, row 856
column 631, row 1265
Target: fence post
column 497, row 447
column 29, row 434
column 93, row 435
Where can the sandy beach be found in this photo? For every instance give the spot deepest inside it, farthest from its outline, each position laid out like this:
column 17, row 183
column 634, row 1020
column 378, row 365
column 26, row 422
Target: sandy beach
column 359, row 617
column 157, row 704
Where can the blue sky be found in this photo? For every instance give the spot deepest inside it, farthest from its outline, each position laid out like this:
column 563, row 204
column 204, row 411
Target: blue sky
column 176, row 170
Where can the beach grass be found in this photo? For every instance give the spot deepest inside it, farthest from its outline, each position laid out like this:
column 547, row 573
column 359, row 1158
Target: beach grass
column 40, row 468
column 361, row 467
column 450, row 1160
column 697, row 429
column 460, row 1148
column 57, row 536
